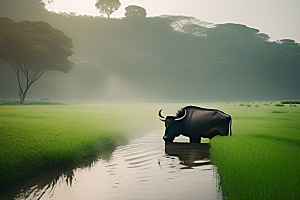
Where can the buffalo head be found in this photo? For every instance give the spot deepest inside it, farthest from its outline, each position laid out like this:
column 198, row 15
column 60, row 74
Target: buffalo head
column 173, row 125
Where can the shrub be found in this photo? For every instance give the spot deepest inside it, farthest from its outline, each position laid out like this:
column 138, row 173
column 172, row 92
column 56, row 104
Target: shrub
column 279, row 104
column 256, row 105
column 290, row 102
column 277, row 111
column 248, row 105
column 241, row 104
column 11, row 103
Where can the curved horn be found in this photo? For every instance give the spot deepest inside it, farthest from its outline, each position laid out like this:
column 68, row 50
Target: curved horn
column 160, row 116
column 181, row 117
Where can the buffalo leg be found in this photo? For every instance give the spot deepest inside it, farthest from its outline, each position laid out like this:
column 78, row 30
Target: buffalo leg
column 195, row 139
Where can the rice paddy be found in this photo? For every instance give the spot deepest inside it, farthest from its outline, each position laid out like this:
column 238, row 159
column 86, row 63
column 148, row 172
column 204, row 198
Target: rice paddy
column 37, row 138
column 261, row 159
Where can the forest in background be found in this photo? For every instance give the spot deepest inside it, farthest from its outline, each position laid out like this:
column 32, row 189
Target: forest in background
column 175, row 58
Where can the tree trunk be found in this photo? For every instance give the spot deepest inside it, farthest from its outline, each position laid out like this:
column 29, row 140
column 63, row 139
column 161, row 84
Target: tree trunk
column 31, row 77
column 22, row 96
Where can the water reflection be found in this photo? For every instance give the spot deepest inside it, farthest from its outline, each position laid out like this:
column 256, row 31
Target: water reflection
column 145, row 168
column 48, row 182
column 190, row 154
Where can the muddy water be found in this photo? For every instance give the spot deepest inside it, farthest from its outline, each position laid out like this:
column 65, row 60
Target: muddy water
column 146, row 168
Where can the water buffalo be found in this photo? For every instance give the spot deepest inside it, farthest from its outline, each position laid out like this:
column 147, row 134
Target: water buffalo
column 195, row 122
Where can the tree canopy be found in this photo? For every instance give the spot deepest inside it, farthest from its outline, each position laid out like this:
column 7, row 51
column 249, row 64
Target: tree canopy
column 165, row 57
column 32, row 48
column 108, row 6
column 135, row 11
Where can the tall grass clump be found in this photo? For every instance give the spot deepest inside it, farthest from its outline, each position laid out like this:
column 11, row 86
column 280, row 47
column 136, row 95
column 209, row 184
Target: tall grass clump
column 261, row 159
column 278, row 111
column 47, row 103
column 38, row 138
column 9, row 103
column 290, row 102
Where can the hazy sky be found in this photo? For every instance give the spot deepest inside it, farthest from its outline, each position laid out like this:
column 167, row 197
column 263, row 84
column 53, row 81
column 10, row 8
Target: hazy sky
column 277, row 18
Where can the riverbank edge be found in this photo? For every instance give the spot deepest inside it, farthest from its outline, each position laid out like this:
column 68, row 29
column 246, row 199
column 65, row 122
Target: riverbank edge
column 86, row 157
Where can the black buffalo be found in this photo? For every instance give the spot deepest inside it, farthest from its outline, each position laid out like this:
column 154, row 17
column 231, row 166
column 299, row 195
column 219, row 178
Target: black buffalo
column 195, row 122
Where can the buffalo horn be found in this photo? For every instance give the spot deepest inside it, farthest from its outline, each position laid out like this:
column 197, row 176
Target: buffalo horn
column 181, row 117
column 160, row 116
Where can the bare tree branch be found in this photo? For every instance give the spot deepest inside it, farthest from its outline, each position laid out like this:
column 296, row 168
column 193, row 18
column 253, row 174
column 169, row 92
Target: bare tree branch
column 32, row 61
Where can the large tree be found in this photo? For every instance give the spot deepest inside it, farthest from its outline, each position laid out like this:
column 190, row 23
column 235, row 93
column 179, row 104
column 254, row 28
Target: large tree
column 135, row 11
column 108, row 6
column 33, row 48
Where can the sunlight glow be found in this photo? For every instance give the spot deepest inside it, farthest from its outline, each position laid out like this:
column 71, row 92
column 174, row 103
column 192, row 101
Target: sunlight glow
column 86, row 7
column 262, row 15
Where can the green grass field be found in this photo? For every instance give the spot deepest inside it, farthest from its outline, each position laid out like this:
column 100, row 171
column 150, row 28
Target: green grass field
column 37, row 138
column 261, row 160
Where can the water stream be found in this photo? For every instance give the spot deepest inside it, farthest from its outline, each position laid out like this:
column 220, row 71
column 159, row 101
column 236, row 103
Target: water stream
column 145, row 168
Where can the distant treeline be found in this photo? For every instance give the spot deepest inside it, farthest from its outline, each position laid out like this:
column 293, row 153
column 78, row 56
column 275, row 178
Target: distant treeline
column 169, row 57
column 290, row 102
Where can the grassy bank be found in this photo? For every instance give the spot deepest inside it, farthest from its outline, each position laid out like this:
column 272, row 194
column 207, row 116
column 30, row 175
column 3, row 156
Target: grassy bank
column 261, row 159
column 38, row 138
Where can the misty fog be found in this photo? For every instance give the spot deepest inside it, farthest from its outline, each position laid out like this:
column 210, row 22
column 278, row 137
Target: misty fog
column 163, row 58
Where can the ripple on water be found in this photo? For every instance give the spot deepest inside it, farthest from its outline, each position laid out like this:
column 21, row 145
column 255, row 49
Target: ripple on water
column 146, row 168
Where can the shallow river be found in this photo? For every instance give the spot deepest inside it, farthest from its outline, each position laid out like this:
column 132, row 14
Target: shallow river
column 145, row 168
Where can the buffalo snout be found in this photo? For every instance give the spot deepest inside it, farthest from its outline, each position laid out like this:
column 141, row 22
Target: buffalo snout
column 167, row 139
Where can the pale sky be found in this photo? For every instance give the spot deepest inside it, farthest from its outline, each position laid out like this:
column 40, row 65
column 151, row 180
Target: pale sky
column 277, row 18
